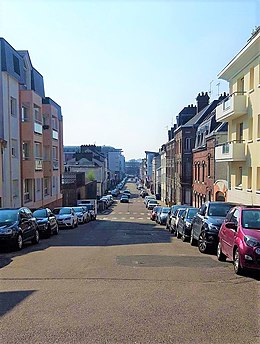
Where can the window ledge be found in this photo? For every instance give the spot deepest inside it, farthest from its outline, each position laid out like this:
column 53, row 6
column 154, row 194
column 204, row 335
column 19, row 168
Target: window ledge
column 257, row 192
column 258, row 139
column 251, row 91
column 249, row 190
column 238, row 188
column 249, row 141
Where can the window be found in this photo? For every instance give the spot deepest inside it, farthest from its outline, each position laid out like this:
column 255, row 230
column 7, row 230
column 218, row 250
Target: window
column 239, row 177
column 54, row 182
column 45, row 119
column 26, row 150
column 16, row 65
column 37, row 150
column 13, row 105
column 54, row 153
column 15, row 188
column 249, row 178
column 54, row 123
column 14, row 148
column 195, row 171
column 252, row 78
column 203, row 171
column 240, row 132
column 187, row 143
column 38, row 184
column 37, row 114
column 27, row 186
column 198, row 173
column 258, row 178
column 46, row 186
column 209, row 166
column 25, row 114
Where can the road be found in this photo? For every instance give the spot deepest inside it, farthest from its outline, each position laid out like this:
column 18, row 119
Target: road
column 122, row 280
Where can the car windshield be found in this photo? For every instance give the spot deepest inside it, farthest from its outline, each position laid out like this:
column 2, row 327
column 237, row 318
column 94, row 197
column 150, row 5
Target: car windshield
column 180, row 212
column 78, row 209
column 251, row 218
column 165, row 210
column 62, row 211
column 7, row 216
column 219, row 209
column 192, row 213
column 40, row 213
column 89, row 206
column 156, row 209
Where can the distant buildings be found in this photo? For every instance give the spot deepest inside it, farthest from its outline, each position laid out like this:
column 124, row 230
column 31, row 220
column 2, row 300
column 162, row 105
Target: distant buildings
column 31, row 138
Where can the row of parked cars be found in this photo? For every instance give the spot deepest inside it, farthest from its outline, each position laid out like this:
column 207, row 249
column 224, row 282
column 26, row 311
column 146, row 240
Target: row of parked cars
column 21, row 225
column 232, row 231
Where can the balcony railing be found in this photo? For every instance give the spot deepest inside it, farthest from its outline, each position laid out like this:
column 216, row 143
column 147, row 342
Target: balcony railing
column 55, row 134
column 38, row 127
column 230, row 151
column 38, row 164
column 231, row 107
column 55, row 164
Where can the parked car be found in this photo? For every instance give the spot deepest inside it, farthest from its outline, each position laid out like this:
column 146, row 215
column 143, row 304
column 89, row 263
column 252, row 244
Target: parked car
column 90, row 208
column 127, row 193
column 47, row 223
column 66, row 217
column 151, row 204
column 105, row 201
column 239, row 238
column 183, row 229
column 82, row 214
column 206, row 224
column 115, row 192
column 124, row 199
column 170, row 221
column 17, row 226
column 154, row 213
column 162, row 215
column 143, row 193
column 146, row 198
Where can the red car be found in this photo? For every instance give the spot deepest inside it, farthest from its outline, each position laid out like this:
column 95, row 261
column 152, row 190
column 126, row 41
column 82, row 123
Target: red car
column 239, row 238
column 154, row 213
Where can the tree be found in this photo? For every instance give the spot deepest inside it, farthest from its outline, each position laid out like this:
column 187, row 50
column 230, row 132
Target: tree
column 91, row 176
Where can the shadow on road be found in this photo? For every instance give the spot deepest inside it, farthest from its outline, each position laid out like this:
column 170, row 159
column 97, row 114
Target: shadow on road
column 10, row 299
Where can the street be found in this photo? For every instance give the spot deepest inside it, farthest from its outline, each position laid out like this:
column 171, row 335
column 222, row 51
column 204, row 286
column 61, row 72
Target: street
column 124, row 279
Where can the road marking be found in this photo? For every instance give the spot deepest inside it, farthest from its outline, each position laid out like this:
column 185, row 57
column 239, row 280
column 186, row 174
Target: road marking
column 114, row 218
column 123, row 218
column 148, row 218
column 104, row 218
column 132, row 218
column 141, row 213
column 140, row 218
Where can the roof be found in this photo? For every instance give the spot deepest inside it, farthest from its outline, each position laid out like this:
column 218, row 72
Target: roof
column 199, row 117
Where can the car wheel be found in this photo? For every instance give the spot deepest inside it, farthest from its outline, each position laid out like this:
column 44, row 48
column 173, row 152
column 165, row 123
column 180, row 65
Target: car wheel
column 36, row 237
column 19, row 242
column 220, row 255
column 192, row 240
column 202, row 243
column 178, row 234
column 237, row 267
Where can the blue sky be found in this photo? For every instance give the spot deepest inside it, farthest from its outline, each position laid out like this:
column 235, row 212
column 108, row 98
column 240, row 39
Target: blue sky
column 122, row 70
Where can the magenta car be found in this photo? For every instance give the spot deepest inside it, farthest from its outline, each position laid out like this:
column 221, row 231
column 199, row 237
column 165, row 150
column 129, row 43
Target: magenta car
column 239, row 238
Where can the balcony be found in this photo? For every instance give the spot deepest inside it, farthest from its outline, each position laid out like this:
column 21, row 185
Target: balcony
column 230, row 151
column 231, row 107
column 38, row 127
column 38, row 164
column 55, row 164
column 55, row 134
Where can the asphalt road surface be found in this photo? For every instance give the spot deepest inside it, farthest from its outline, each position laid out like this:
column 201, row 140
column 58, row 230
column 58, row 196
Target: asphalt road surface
column 124, row 280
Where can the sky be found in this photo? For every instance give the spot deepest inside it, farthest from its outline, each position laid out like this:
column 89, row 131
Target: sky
column 122, row 70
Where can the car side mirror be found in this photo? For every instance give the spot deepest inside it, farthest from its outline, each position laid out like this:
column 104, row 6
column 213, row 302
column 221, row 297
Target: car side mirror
column 231, row 225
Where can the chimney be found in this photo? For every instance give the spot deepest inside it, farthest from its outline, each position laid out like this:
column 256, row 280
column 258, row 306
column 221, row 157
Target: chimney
column 202, row 101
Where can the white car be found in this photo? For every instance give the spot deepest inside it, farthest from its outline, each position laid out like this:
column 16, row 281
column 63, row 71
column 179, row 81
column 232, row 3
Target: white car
column 66, row 217
column 151, row 204
column 82, row 215
column 148, row 198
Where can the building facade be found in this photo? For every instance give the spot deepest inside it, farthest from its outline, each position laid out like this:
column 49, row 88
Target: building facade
column 241, row 110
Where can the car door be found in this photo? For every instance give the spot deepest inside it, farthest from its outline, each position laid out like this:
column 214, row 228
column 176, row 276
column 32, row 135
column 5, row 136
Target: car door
column 51, row 219
column 230, row 234
column 181, row 222
column 24, row 224
column 198, row 221
column 31, row 222
column 223, row 232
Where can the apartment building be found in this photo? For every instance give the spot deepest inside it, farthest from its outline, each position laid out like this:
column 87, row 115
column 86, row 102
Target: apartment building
column 11, row 76
column 241, row 110
column 26, row 178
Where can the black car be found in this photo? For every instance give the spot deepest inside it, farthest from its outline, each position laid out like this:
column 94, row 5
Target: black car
column 18, row 226
column 184, row 224
column 206, row 224
column 171, row 217
column 47, row 223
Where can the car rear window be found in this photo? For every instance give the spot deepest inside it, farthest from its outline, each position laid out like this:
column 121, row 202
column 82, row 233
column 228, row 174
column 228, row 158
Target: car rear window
column 40, row 213
column 219, row 209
